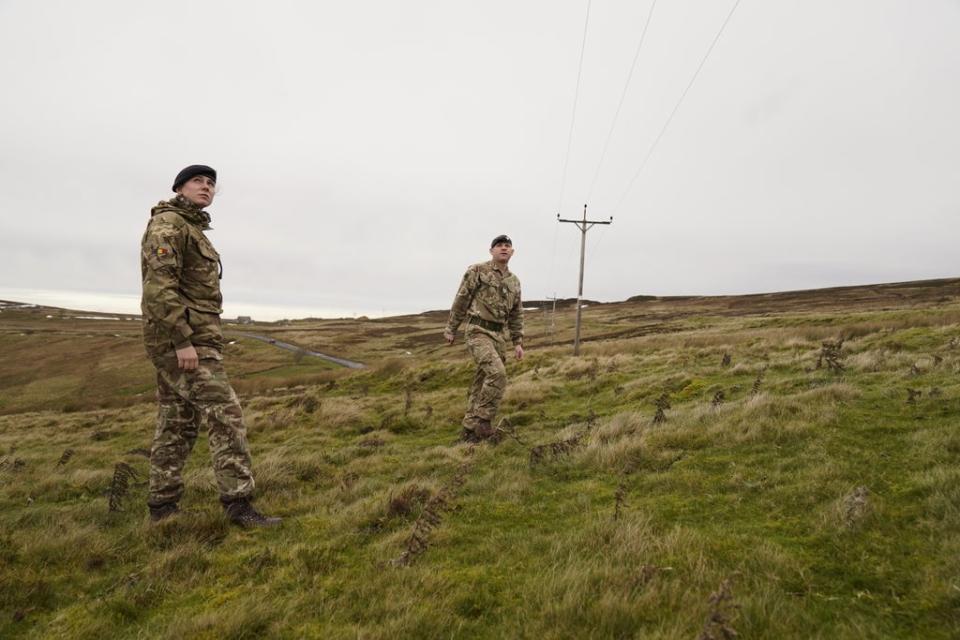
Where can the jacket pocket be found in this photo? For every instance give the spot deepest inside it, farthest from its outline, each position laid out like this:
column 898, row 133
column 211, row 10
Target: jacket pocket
column 206, row 249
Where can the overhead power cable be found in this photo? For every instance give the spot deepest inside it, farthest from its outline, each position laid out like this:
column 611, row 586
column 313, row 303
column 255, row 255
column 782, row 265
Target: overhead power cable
column 623, row 95
column 676, row 107
column 576, row 97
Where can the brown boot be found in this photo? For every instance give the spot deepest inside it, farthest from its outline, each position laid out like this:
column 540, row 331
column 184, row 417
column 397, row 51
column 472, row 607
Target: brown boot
column 242, row 513
column 468, row 435
column 483, row 430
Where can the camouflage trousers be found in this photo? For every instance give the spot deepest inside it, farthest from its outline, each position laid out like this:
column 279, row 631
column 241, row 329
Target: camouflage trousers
column 489, row 382
column 187, row 400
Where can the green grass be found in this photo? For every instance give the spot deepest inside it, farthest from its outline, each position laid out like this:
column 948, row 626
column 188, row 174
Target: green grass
column 828, row 502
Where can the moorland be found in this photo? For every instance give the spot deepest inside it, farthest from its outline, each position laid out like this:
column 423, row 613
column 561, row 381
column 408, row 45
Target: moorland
column 778, row 465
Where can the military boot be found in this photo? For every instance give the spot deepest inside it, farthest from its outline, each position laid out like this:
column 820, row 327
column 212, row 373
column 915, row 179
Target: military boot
column 484, row 431
column 468, row 435
column 242, row 513
column 164, row 510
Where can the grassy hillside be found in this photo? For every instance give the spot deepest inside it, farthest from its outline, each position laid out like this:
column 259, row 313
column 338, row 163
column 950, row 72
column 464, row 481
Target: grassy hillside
column 56, row 359
column 708, row 466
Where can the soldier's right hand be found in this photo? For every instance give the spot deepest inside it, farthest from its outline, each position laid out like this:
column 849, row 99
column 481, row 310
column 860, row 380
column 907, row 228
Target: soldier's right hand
column 448, row 336
column 187, row 358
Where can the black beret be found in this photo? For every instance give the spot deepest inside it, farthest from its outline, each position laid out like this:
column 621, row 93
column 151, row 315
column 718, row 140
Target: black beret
column 192, row 171
column 499, row 239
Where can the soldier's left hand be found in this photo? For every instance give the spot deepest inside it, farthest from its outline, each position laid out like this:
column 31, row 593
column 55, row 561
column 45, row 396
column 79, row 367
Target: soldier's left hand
column 519, row 351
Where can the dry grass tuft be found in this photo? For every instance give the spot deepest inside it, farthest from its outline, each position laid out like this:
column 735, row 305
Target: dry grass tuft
column 407, row 500
column 837, row 392
column 617, row 427
column 528, row 392
column 389, row 367
column 341, row 413
column 311, row 403
column 616, row 444
column 574, row 368
column 741, row 368
column 871, row 360
column 276, row 420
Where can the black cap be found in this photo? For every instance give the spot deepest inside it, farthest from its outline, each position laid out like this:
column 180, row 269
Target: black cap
column 501, row 238
column 192, row 171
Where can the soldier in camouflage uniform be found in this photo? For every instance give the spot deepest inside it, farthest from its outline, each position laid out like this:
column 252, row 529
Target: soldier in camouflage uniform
column 181, row 309
column 489, row 301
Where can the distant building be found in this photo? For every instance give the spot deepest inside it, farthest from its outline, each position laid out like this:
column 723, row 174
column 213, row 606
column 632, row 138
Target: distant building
column 244, row 320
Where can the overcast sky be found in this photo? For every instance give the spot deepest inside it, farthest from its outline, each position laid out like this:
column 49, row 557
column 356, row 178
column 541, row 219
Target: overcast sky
column 368, row 151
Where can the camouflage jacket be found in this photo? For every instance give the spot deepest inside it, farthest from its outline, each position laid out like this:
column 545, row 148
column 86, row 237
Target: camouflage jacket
column 491, row 293
column 181, row 273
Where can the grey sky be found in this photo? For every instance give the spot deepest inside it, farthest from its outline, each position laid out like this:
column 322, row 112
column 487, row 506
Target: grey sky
column 368, row 151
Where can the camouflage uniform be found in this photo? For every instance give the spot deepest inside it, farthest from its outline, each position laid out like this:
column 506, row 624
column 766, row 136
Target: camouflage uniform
column 489, row 301
column 181, row 306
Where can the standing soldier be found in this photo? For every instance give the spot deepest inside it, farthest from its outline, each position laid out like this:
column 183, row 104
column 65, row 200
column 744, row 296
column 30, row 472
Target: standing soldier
column 181, row 307
column 489, row 300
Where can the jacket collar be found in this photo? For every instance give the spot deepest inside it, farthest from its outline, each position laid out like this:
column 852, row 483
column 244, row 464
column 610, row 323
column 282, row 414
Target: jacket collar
column 186, row 209
column 504, row 270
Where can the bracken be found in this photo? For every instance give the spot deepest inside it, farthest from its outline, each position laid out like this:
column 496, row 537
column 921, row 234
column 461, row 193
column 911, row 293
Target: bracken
column 65, row 457
column 832, row 354
column 718, row 399
column 663, row 403
column 120, row 485
column 723, row 609
column 419, row 539
column 556, row 449
column 913, row 395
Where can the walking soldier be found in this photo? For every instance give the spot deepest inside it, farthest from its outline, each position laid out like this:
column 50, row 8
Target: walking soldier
column 489, row 301
column 181, row 307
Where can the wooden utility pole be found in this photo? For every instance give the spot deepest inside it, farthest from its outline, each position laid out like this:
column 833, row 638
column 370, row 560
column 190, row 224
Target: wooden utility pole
column 584, row 225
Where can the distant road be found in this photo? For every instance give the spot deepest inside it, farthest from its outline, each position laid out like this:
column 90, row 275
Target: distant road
column 290, row 347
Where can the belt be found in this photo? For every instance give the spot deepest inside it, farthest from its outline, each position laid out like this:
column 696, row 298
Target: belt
column 486, row 324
